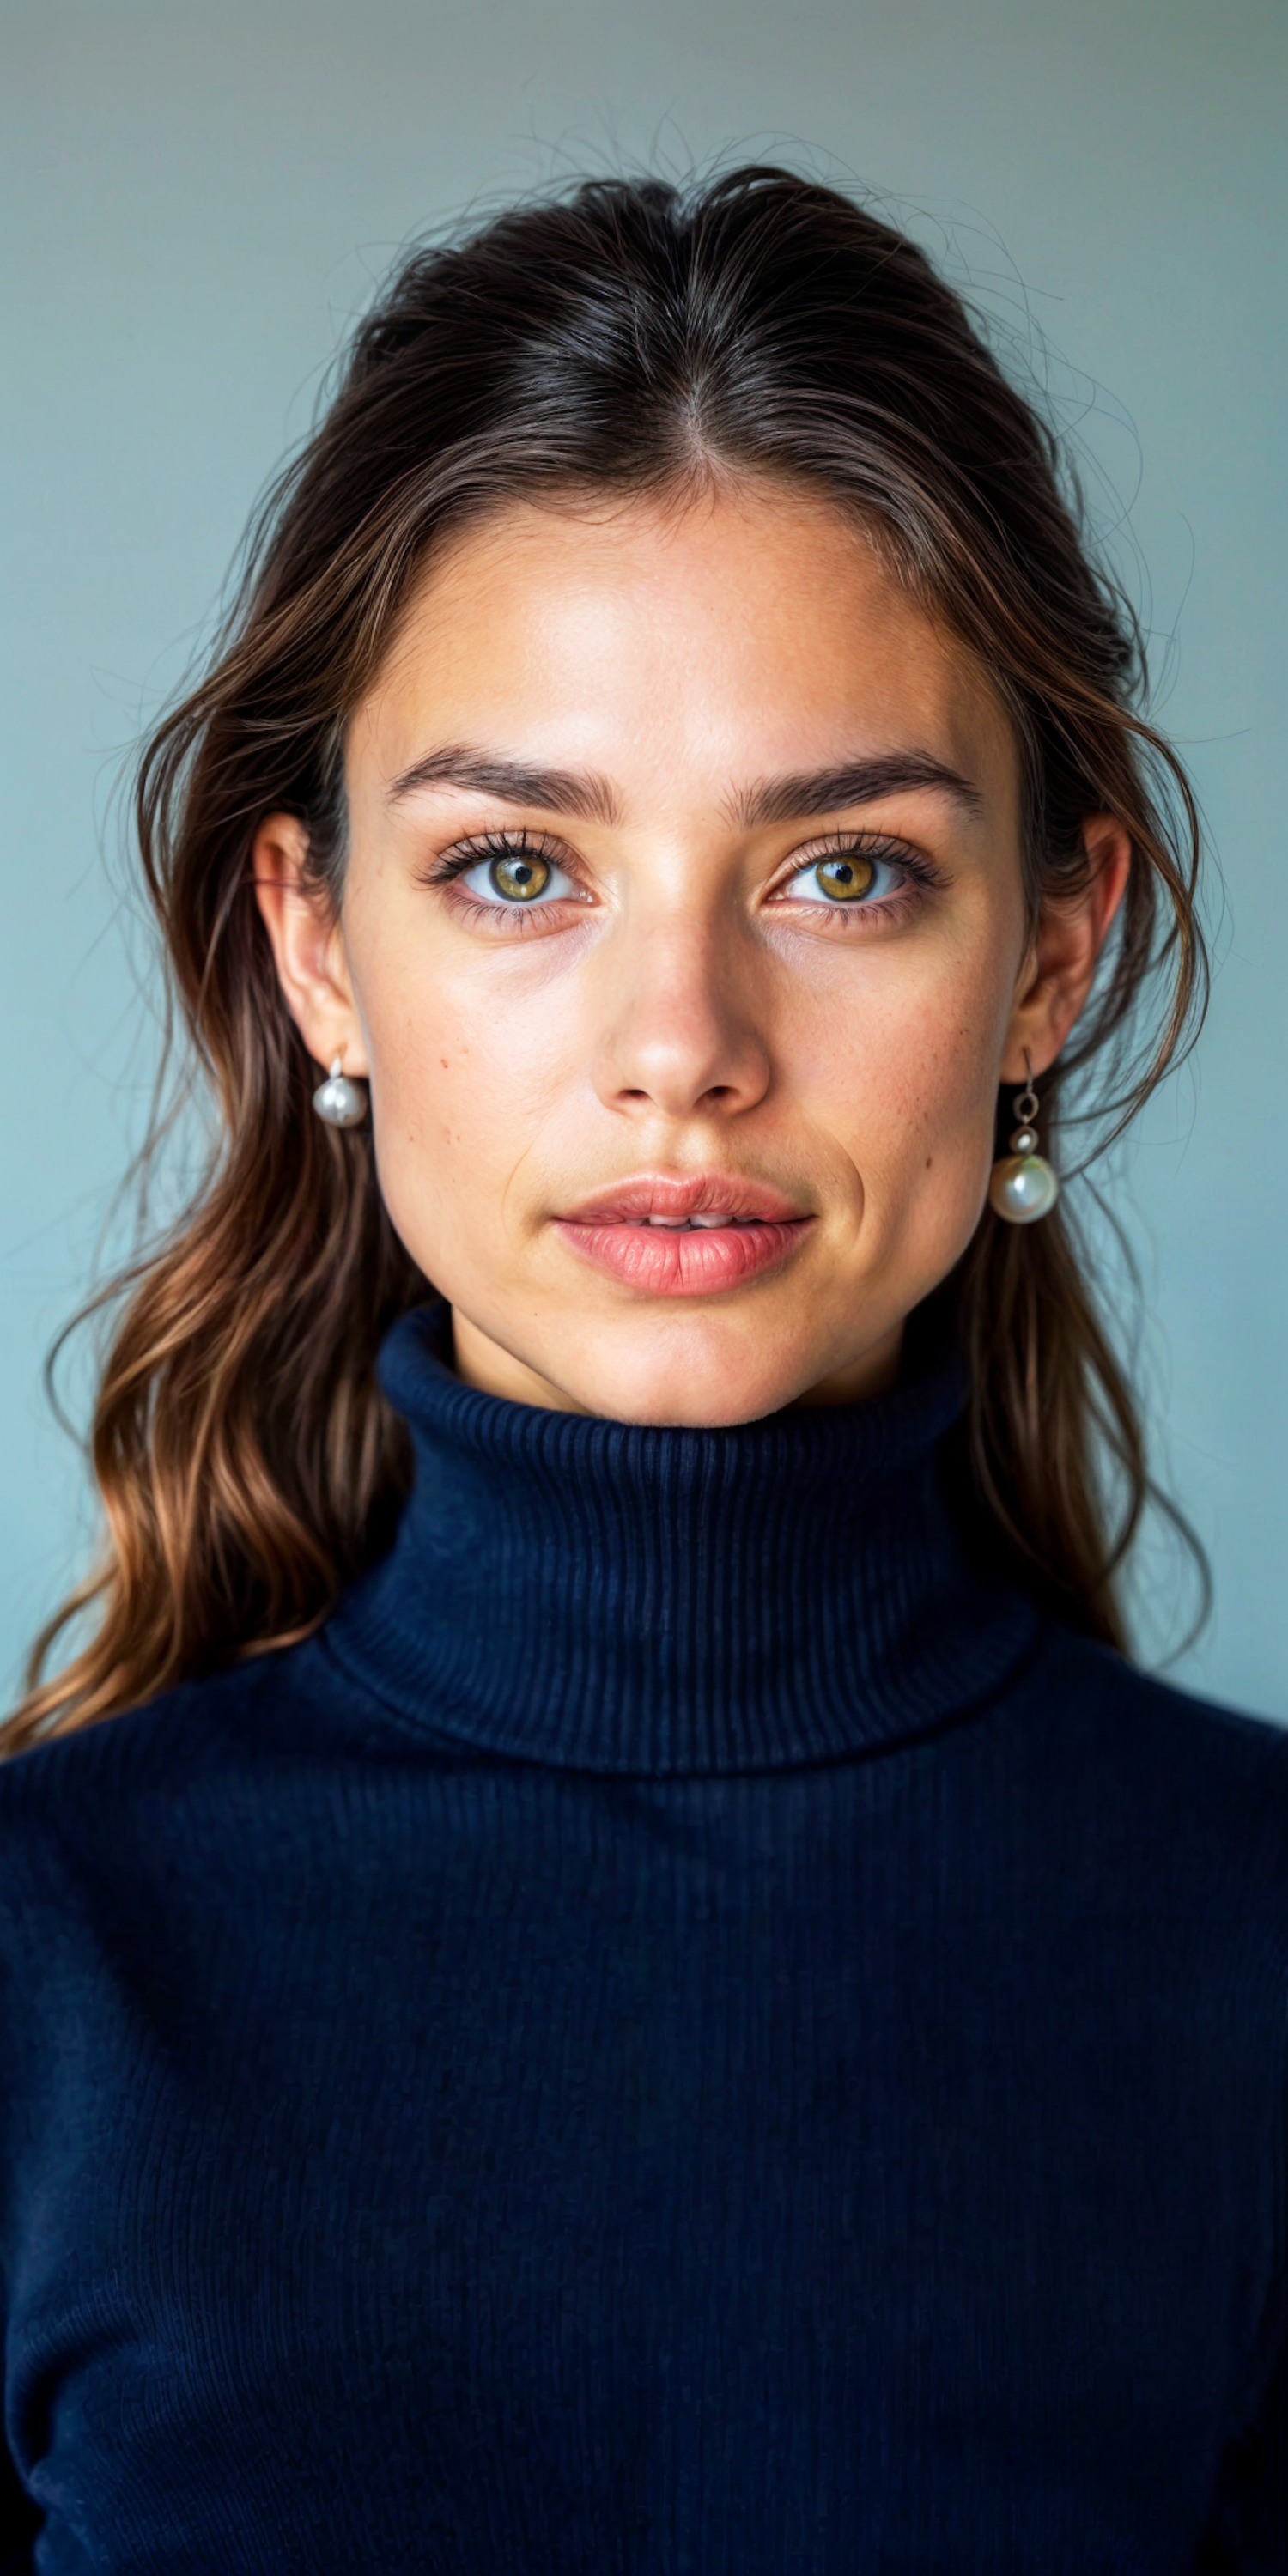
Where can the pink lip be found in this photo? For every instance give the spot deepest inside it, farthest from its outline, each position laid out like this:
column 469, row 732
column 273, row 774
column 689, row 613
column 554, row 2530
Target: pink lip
column 761, row 1229
column 705, row 1194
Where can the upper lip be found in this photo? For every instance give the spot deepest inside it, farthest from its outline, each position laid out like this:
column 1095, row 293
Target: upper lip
column 704, row 1194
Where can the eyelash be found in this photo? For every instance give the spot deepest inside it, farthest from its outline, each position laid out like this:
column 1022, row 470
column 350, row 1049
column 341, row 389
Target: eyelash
column 495, row 845
column 924, row 877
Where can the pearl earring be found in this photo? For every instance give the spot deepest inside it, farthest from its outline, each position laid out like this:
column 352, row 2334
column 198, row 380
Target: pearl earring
column 1022, row 1185
column 341, row 1102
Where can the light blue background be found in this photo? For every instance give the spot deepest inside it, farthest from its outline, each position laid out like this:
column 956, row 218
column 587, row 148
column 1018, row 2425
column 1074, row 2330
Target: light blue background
column 196, row 202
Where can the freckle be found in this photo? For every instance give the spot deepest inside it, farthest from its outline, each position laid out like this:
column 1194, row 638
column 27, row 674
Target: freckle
column 929, row 1160
column 443, row 1061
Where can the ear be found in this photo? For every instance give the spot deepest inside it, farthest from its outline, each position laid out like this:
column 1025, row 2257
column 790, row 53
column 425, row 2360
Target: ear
column 308, row 945
column 1056, row 976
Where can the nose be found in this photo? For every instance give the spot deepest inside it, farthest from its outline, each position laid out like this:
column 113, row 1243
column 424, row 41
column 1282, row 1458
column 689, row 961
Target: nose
column 682, row 1033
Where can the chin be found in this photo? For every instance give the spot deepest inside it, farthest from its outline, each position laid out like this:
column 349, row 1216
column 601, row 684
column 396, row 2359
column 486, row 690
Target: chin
column 695, row 1380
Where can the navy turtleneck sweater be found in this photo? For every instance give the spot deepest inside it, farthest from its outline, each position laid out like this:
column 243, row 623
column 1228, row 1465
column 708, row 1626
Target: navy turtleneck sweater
column 689, row 2030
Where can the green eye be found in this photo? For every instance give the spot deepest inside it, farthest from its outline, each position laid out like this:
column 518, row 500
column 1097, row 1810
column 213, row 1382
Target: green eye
column 844, row 877
column 519, row 879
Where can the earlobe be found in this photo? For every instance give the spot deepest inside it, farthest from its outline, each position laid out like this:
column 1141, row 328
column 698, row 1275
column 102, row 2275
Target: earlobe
column 308, row 950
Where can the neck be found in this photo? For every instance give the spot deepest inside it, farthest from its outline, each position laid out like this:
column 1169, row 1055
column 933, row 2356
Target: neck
column 627, row 1597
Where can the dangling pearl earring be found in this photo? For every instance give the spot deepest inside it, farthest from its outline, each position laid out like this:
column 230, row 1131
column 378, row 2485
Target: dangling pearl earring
column 341, row 1102
column 1022, row 1185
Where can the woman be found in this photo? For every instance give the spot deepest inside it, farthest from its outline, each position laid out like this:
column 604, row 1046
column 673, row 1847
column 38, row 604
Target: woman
column 609, row 1963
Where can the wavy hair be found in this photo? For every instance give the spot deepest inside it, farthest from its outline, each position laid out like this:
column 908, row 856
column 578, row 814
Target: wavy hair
column 619, row 336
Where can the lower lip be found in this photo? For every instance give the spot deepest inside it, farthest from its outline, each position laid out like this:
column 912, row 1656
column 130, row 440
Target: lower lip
column 667, row 1261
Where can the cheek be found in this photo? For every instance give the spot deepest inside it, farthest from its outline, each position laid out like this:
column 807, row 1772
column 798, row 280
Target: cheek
column 900, row 1074
column 464, row 1077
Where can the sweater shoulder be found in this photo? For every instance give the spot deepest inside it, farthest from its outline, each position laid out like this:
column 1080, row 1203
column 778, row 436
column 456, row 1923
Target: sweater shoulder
column 90, row 1776
column 1202, row 1783
column 1078, row 1672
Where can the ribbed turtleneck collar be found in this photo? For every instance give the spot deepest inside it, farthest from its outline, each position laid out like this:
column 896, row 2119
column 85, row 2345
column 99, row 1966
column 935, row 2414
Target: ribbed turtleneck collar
column 617, row 1597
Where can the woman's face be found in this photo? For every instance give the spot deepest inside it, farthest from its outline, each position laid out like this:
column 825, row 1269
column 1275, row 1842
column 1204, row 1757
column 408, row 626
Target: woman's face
column 683, row 885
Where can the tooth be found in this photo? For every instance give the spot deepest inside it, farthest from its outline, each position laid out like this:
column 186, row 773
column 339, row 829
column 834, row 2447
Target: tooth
column 706, row 1221
column 672, row 1224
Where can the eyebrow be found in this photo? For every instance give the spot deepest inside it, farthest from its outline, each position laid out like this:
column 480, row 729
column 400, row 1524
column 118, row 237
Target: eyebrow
column 515, row 782
column 854, row 782
column 771, row 800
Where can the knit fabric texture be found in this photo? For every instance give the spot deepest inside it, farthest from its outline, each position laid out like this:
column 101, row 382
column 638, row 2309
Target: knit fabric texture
column 691, row 2029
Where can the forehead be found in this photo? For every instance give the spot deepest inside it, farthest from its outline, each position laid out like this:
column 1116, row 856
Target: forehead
column 740, row 631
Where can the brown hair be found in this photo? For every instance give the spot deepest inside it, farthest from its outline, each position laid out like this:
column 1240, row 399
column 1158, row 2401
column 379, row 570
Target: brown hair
column 620, row 336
